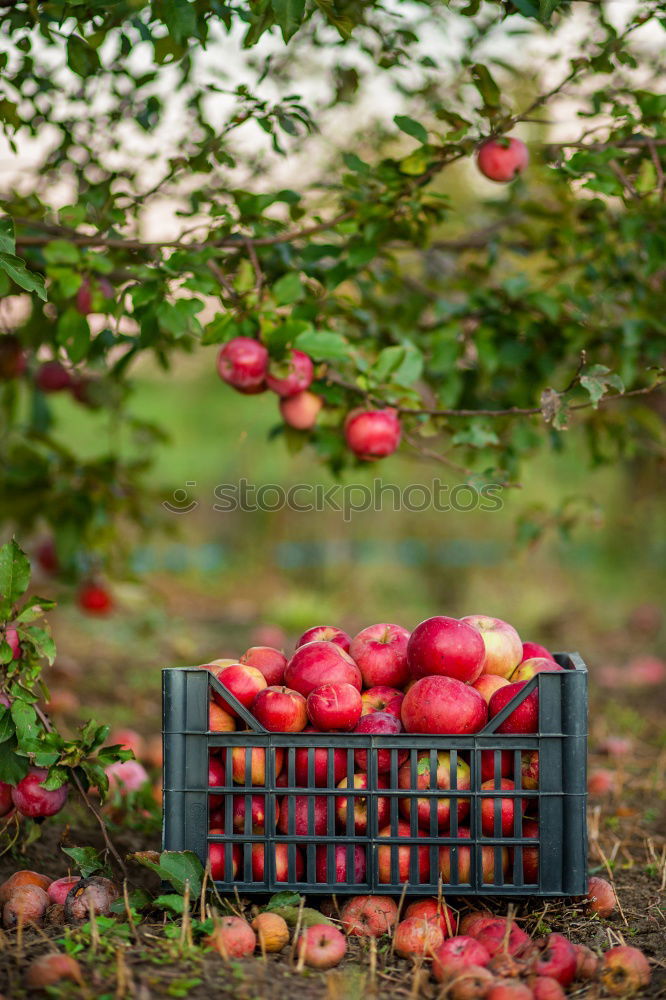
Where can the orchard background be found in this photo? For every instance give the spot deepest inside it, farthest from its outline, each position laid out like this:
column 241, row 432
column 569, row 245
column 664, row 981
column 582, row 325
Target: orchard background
column 177, row 174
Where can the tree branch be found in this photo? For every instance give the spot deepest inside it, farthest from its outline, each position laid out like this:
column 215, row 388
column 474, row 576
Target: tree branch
column 510, row 411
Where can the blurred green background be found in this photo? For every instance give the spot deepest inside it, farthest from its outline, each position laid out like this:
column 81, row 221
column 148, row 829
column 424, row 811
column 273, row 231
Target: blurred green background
column 574, row 558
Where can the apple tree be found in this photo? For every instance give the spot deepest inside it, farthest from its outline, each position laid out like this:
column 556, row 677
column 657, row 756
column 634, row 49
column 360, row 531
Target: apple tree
column 488, row 319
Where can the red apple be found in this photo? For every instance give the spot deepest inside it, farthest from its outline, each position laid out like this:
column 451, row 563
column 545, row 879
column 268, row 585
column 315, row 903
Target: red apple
column 126, row 776
column 13, row 361
column 301, row 410
column 446, row 646
column 340, row 863
column 14, row 643
column 219, row 720
column 444, row 705
column 624, row 971
column 601, row 782
column 321, row 946
column 257, row 814
column 334, row 707
column 59, row 890
column 456, row 954
column 244, row 682
column 524, row 718
column 546, row 988
column 403, row 855
column 128, row 739
column 382, row 699
column 301, row 807
column 217, row 854
column 506, row 809
column 488, row 764
column 380, row 652
column 372, row 434
column 325, row 633
column 557, row 959
column 471, row 982
column 369, row 916
column 320, row 757
column 271, row 662
column 509, row 989
column 380, row 724
column 502, row 159
column 257, row 764
column 94, row 599
column 472, row 922
column 292, row 375
column 359, row 803
column 32, row 799
column 52, row 377
column 504, row 648
column 417, row 937
column 526, row 670
column 531, row 649
column 282, row 855
column 493, row 936
column 281, row 710
column 587, row 963
column 442, row 779
column 6, row 801
column 436, row 911
column 446, row 863
column 601, row 896
column 318, row 663
column 243, row 364
column 530, row 854
column 529, row 769
column 233, row 938
column 487, row 684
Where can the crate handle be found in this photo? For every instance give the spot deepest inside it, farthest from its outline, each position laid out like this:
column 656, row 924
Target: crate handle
column 233, row 701
column 517, row 700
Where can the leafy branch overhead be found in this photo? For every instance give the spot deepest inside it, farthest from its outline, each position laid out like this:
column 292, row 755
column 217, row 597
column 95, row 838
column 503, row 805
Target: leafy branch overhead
column 493, row 320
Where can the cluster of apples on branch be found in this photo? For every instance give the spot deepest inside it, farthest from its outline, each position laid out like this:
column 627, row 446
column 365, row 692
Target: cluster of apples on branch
column 370, row 433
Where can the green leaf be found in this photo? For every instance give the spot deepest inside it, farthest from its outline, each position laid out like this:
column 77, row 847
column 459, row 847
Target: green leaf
column 25, row 720
column 7, row 240
column 476, row 436
column 34, row 608
column 15, row 268
column 411, row 127
column 416, row 162
column 546, row 8
column 323, row 345
column 13, row 766
column 177, row 867
column 73, row 333
column 14, row 576
column 286, row 898
column 41, row 641
column 308, row 916
column 287, row 289
column 181, row 20
column 486, row 86
column 289, row 16
column 7, row 727
column 597, row 380
column 170, row 901
column 87, row 860
column 61, row 252
column 82, row 58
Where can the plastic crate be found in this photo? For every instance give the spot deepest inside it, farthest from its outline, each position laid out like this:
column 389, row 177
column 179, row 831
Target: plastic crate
column 463, row 863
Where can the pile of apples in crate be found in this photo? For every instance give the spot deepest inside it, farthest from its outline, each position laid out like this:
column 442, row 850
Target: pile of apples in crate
column 447, row 676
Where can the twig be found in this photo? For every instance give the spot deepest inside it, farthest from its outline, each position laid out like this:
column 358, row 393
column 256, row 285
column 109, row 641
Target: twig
column 79, row 787
column 623, row 179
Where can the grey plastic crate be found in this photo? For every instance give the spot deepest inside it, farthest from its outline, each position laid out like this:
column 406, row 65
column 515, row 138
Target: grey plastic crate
column 559, row 803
